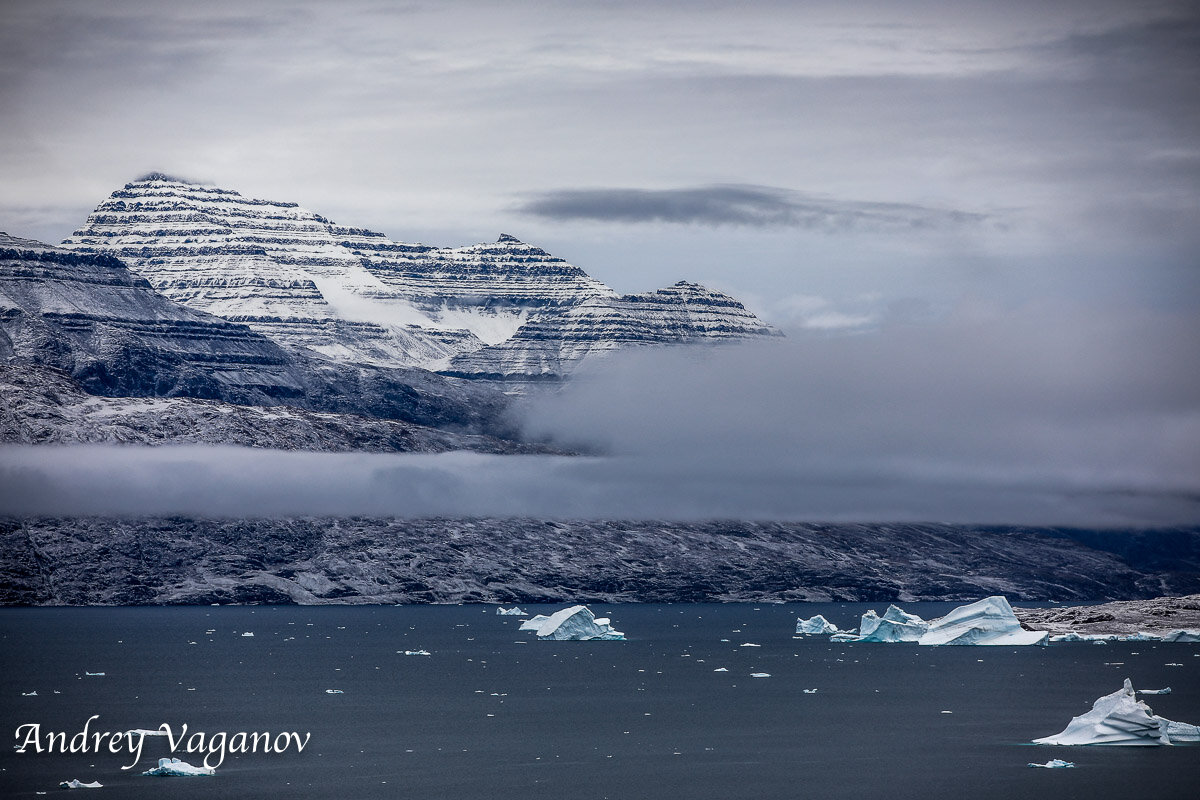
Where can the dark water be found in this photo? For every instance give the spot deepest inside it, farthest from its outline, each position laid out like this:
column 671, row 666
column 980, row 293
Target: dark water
column 491, row 714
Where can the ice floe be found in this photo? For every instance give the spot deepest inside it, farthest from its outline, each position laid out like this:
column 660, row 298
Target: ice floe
column 173, row 767
column 515, row 611
column 75, row 783
column 1121, row 719
column 1180, row 636
column 334, row 691
column 576, row 623
column 894, row 626
column 815, row 625
column 1054, row 763
column 417, row 653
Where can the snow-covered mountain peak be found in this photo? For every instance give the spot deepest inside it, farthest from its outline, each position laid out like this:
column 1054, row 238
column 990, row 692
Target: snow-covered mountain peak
column 354, row 295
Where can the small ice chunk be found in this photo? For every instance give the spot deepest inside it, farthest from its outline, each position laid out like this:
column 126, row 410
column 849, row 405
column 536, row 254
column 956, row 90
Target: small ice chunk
column 29, row 694
column 248, row 633
column 1054, row 763
column 810, row 691
column 749, row 644
column 75, row 783
column 1167, row 690
column 1121, row 719
column 815, row 625
column 93, row 674
column 515, row 611
column 760, row 674
column 173, row 767
column 334, row 691
column 417, row 653
column 720, row 669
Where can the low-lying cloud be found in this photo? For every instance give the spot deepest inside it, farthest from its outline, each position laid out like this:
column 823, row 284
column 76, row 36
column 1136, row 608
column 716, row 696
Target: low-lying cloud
column 738, row 204
column 1029, row 418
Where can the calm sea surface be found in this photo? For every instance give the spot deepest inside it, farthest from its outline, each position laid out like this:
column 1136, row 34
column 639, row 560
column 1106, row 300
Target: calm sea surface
column 492, row 714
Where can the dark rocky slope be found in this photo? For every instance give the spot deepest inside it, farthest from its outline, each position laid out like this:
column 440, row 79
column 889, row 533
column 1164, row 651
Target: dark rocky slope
column 108, row 561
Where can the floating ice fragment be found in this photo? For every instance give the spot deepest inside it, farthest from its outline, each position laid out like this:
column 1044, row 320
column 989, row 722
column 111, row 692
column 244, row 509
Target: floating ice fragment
column 749, row 644
column 720, row 669
column 760, row 674
column 810, row 691
column 334, row 691
column 515, row 611
column 75, row 783
column 1121, row 719
column 815, row 625
column 417, row 653
column 575, row 623
column 248, row 633
column 1054, row 763
column 173, row 767
column 895, row 625
column 29, row 694
column 1167, row 690
column 93, row 674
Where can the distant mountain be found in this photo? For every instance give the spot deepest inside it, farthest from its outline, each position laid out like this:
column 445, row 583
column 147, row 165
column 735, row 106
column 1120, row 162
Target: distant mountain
column 91, row 317
column 357, row 297
column 491, row 289
column 108, row 329
column 284, row 271
column 554, row 345
column 43, row 405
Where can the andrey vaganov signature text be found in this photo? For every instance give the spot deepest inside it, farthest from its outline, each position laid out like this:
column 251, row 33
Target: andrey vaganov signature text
column 215, row 746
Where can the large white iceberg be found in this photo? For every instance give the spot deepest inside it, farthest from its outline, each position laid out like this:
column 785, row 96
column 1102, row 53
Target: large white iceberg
column 990, row 621
column 175, row 768
column 515, row 611
column 576, row 623
column 1121, row 719
column 815, row 625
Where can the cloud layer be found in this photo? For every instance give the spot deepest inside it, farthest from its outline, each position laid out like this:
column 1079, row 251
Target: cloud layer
column 995, row 418
column 738, row 205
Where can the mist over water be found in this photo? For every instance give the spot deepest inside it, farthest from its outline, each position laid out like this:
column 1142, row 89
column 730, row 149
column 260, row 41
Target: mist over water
column 1033, row 418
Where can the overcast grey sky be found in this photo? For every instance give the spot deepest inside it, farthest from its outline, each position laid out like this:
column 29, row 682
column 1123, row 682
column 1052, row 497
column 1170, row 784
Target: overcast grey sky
column 823, row 160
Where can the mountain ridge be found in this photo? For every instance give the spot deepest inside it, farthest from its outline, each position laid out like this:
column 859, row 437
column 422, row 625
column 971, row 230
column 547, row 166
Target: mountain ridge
column 353, row 294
